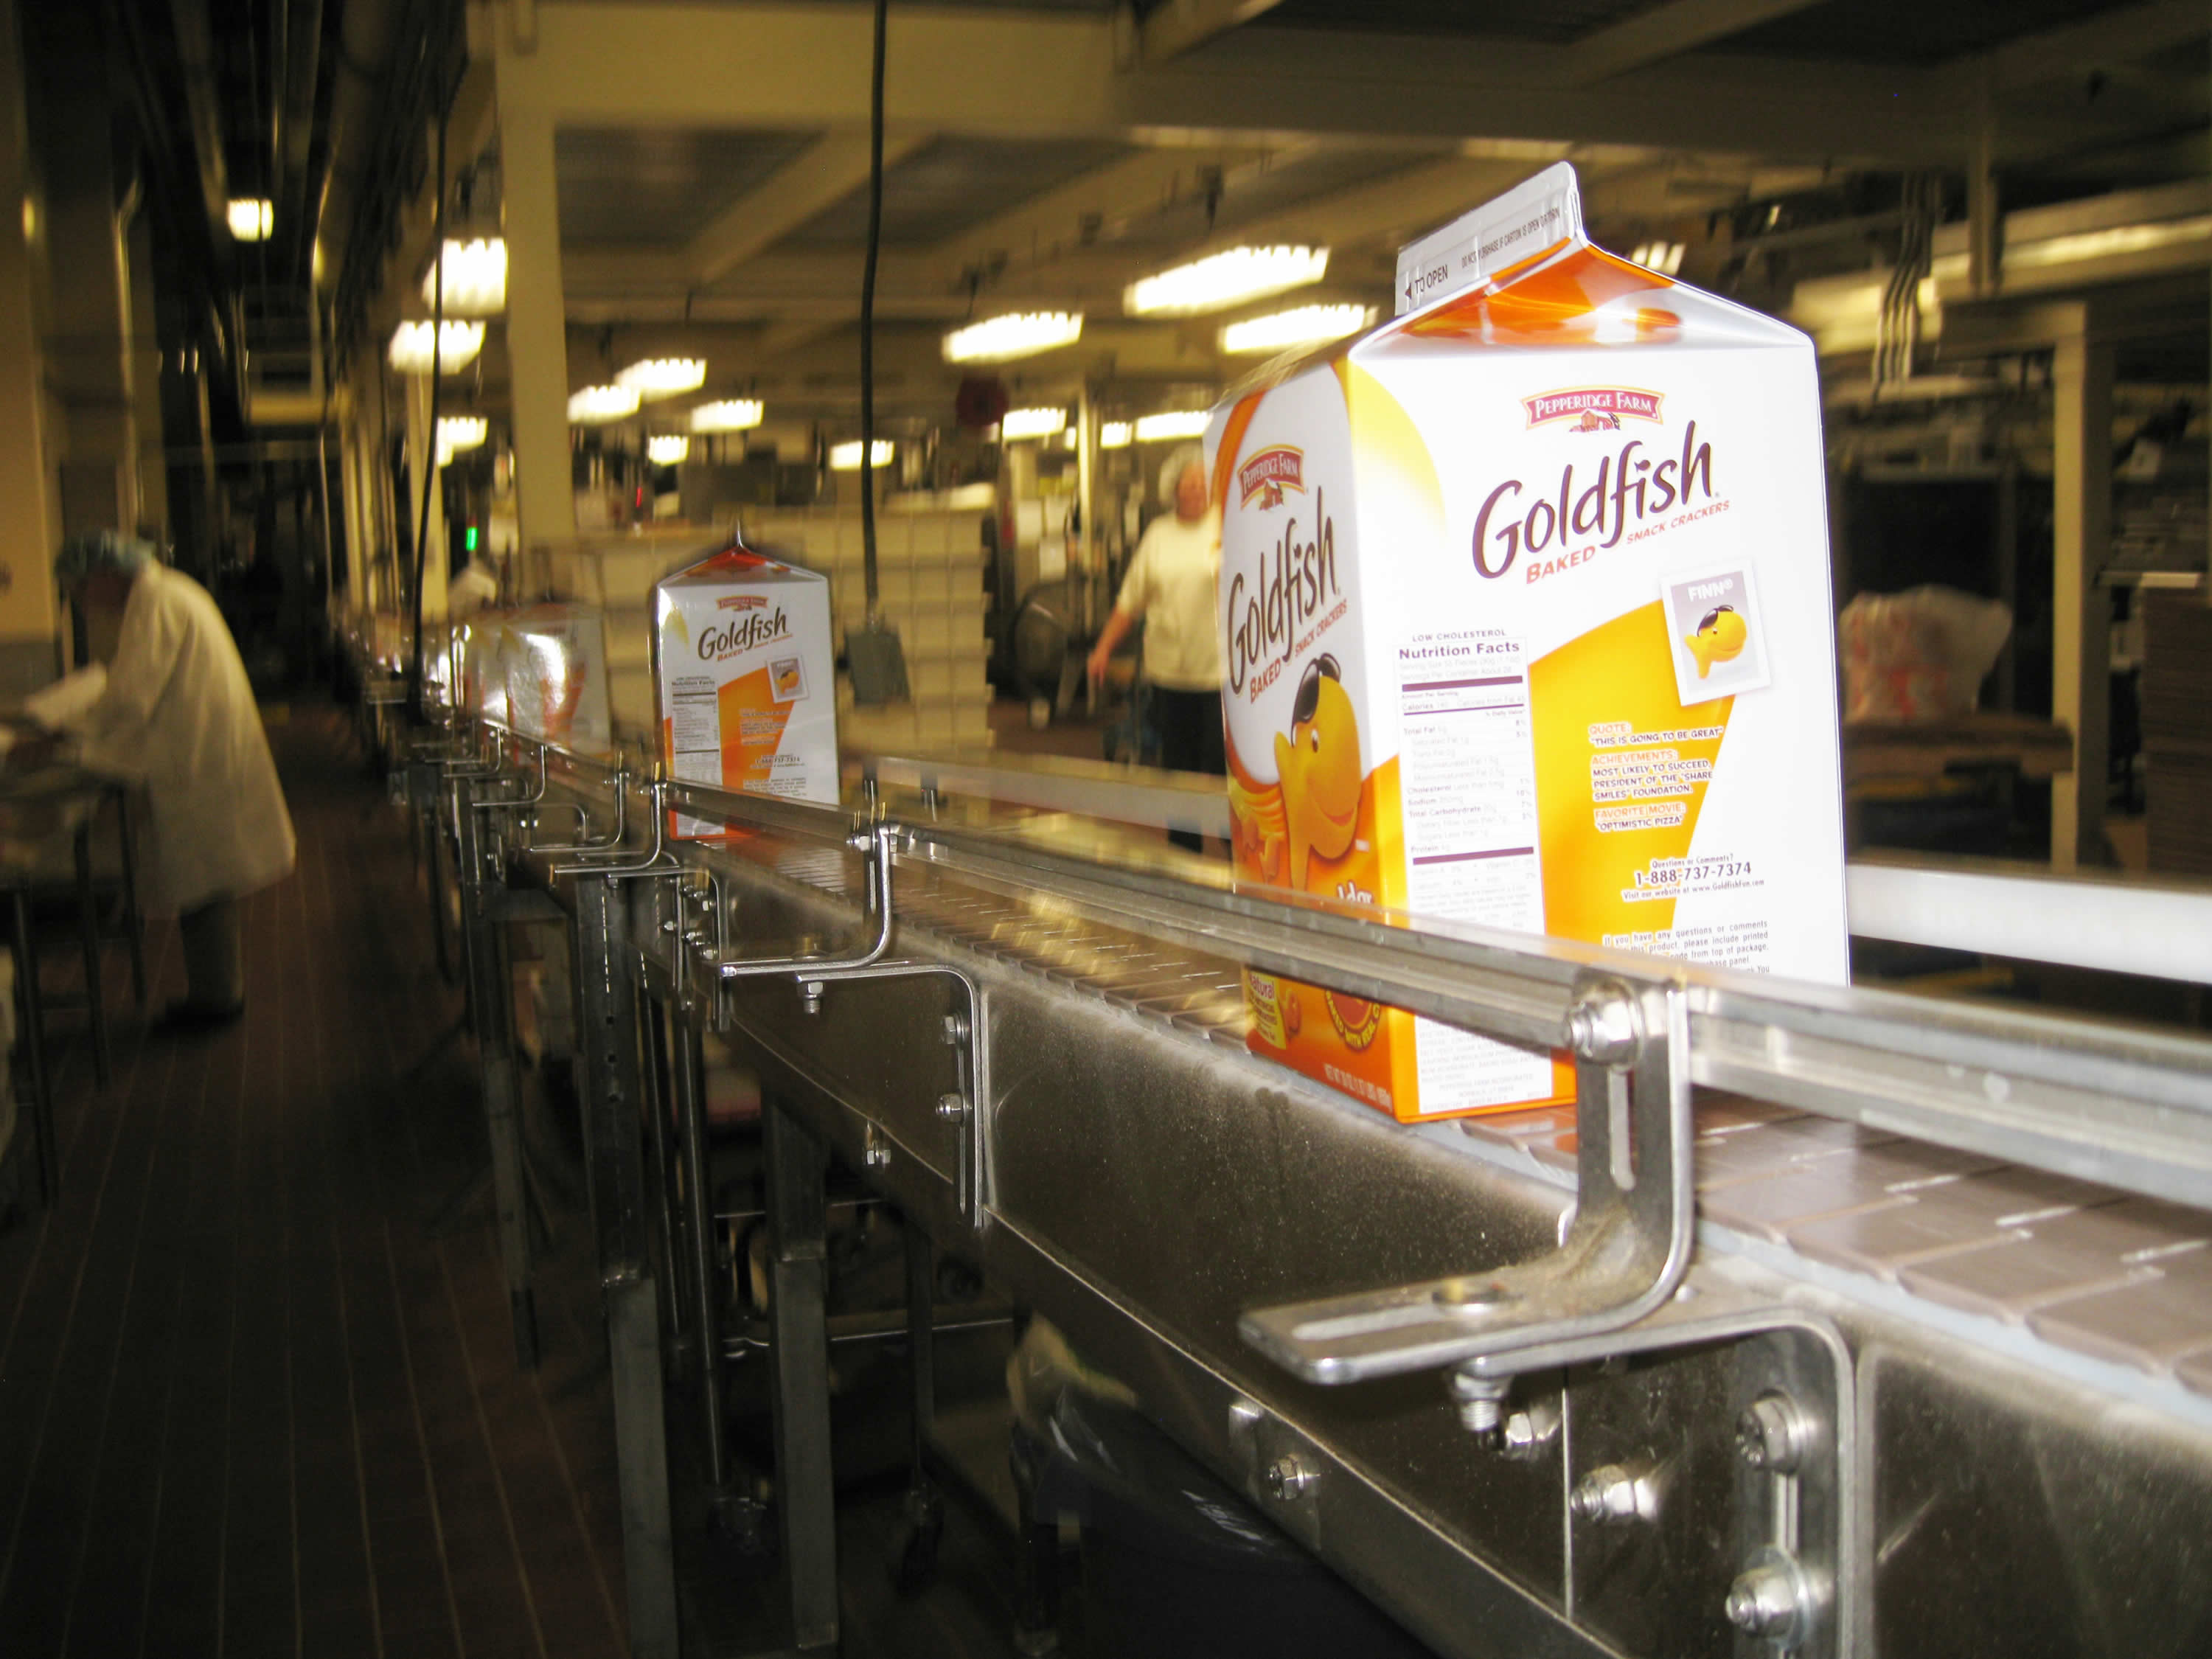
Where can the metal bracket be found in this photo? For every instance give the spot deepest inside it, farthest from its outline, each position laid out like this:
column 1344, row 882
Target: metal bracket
column 968, row 1108
column 1627, row 1249
column 717, row 967
column 519, row 802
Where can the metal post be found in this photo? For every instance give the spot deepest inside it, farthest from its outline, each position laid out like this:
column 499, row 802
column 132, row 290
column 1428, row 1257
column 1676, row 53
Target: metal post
column 2081, row 521
column 924, row 1509
column 133, row 923
column 607, row 1034
column 87, row 922
column 686, row 1071
column 657, row 1108
column 798, row 1280
column 34, row 1046
column 484, row 943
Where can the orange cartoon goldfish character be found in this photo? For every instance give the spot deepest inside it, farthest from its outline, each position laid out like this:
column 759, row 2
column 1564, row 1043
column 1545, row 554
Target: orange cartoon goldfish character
column 1319, row 765
column 1719, row 638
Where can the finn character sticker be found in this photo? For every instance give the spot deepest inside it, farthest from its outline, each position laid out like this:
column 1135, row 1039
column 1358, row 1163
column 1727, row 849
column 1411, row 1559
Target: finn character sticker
column 1719, row 638
column 1713, row 618
column 1319, row 765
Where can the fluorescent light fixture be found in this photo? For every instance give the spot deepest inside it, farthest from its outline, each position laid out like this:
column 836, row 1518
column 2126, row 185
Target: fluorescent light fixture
column 252, row 219
column 1225, row 279
column 458, row 344
column 595, row 406
column 1300, row 325
column 731, row 415
column 664, row 377
column 460, row 431
column 1176, row 423
column 1019, row 334
column 667, row 448
column 1665, row 257
column 1031, row 422
column 1113, row 434
column 475, row 278
column 845, row 458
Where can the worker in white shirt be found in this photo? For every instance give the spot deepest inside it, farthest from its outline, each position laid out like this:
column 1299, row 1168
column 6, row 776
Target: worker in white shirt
column 178, row 717
column 1170, row 587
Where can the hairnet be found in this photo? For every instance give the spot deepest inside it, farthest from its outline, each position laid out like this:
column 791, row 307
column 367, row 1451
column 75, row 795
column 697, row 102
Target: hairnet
column 100, row 552
column 1171, row 470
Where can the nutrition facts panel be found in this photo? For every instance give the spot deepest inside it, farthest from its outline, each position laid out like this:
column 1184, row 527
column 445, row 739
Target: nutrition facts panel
column 1467, row 776
column 1469, row 787
column 695, row 739
column 695, row 721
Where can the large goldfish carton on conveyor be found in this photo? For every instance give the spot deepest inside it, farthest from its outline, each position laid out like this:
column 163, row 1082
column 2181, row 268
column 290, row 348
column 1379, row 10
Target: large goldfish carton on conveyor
column 1526, row 623
column 747, row 676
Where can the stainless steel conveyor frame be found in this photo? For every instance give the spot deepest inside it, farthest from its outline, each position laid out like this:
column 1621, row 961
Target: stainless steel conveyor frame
column 1637, row 1440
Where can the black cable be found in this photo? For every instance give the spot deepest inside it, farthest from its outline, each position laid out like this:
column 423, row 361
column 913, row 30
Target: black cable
column 868, row 316
column 430, row 426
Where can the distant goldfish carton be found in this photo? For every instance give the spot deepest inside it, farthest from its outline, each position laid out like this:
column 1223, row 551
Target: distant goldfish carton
column 541, row 670
column 1527, row 624
column 747, row 676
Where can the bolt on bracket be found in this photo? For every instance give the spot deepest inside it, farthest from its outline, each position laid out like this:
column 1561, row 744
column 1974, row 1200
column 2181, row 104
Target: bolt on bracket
column 1629, row 1245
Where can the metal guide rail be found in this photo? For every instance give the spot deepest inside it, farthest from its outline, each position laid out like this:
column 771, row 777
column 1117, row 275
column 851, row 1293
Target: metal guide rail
column 1647, row 1438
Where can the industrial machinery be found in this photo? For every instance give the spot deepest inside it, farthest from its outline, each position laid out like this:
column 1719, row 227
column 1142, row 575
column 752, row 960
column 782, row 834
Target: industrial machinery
column 1828, row 1322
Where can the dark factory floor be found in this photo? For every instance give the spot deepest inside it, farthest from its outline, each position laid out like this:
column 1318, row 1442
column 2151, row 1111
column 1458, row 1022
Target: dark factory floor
column 255, row 1398
column 259, row 1392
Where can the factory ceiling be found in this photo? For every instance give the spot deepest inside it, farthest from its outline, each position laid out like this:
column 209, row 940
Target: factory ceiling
column 711, row 158
column 1771, row 139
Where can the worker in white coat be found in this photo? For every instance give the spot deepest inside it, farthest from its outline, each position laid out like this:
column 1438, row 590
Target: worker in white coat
column 178, row 717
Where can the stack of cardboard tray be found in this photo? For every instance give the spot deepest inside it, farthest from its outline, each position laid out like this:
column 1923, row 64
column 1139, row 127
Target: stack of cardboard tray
column 2177, row 731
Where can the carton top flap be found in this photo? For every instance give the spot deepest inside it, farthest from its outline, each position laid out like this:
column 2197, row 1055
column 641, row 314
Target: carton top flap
column 1580, row 297
column 1527, row 220
column 739, row 564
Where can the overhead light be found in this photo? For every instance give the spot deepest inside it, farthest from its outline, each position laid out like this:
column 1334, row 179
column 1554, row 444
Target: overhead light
column 845, row 458
column 1176, row 423
column 1225, row 279
column 1031, row 422
column 458, row 344
column 731, row 415
column 664, row 377
column 1300, row 325
column 1665, row 257
column 595, row 406
column 667, row 448
column 475, row 278
column 251, row 218
column 1113, row 434
column 460, row 431
column 1018, row 334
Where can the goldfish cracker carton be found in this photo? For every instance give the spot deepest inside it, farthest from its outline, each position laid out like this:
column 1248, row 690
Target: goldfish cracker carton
column 746, row 677
column 1526, row 623
column 540, row 670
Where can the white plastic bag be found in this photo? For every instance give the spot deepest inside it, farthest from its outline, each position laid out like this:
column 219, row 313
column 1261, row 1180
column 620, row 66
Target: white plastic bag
column 1917, row 656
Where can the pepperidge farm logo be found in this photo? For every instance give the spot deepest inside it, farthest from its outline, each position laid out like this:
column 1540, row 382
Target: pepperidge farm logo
column 1594, row 408
column 742, row 602
column 1269, row 474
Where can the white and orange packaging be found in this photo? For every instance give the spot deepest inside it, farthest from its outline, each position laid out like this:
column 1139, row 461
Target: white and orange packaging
column 747, row 676
column 540, row 670
column 1527, row 624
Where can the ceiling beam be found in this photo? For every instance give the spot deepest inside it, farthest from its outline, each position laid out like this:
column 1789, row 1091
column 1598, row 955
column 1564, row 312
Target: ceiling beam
column 1174, row 27
column 1678, row 25
column 2109, row 38
column 828, row 170
column 1089, row 211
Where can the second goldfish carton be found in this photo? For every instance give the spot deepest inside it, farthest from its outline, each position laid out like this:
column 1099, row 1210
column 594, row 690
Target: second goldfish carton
column 1527, row 624
column 746, row 675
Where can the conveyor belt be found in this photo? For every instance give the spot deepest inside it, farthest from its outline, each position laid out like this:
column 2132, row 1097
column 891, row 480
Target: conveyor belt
column 1043, row 1066
column 2116, row 1278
